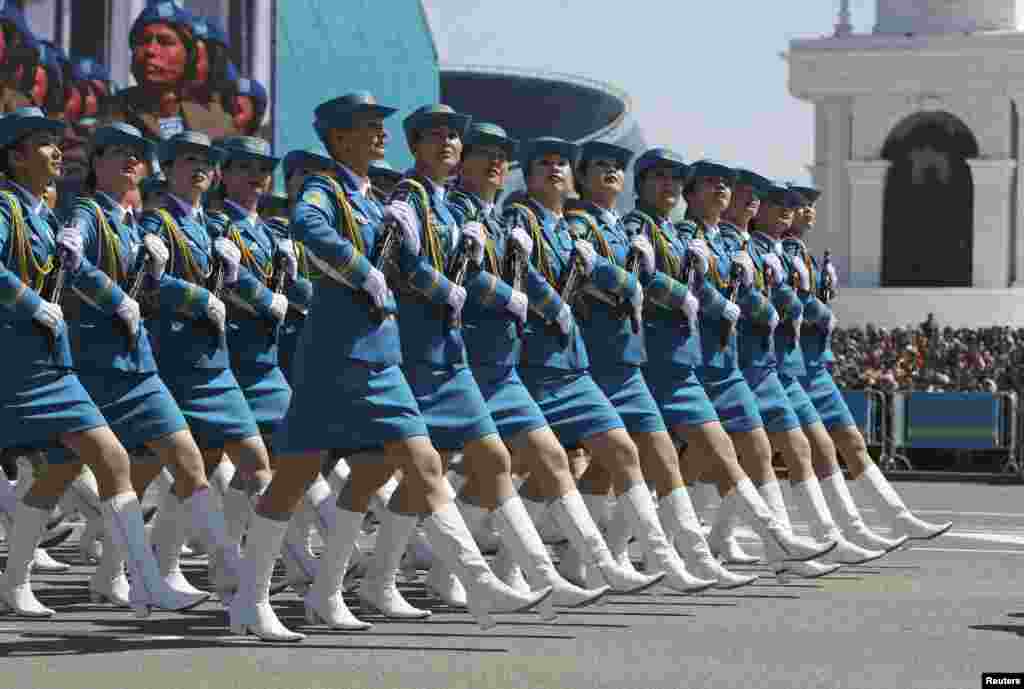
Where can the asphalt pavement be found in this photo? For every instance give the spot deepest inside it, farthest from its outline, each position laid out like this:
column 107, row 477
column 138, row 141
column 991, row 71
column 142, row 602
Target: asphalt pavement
column 933, row 615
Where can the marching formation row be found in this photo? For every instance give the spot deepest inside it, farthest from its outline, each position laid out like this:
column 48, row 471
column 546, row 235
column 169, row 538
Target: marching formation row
column 397, row 329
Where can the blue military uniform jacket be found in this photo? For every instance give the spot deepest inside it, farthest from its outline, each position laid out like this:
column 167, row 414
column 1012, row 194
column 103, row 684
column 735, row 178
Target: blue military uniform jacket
column 186, row 338
column 713, row 290
column 788, row 355
column 489, row 333
column 26, row 350
column 339, row 228
column 609, row 337
column 756, row 348
column 423, row 306
column 112, row 242
column 816, row 345
column 248, row 338
column 552, row 252
column 670, row 338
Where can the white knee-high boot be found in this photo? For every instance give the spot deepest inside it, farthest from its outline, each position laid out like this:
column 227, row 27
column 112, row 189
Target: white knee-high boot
column 844, row 509
column 169, row 532
column 772, row 494
column 811, row 503
column 679, row 520
column 379, row 589
column 324, row 602
column 15, row 585
column 880, row 493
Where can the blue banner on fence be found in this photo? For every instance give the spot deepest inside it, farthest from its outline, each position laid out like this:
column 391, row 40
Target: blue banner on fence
column 968, row 420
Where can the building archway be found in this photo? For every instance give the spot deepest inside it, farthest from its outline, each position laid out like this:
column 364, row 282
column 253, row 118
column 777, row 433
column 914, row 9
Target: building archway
column 928, row 208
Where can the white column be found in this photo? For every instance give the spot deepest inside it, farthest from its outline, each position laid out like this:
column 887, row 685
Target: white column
column 262, row 49
column 992, row 252
column 122, row 16
column 1017, row 271
column 867, row 189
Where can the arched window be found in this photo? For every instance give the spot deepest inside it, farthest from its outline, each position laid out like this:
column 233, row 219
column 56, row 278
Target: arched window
column 928, row 212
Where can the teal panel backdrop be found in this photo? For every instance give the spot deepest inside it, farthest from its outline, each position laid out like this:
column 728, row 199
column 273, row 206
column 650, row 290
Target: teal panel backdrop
column 326, row 48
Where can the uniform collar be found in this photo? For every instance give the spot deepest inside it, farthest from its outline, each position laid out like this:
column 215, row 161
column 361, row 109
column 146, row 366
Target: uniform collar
column 34, row 203
column 547, row 216
column 236, row 212
column 655, row 215
column 107, row 202
column 486, row 208
column 185, row 208
column 360, row 184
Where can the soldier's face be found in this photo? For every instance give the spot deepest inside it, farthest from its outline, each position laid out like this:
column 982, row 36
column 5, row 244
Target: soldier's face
column 119, row 168
column 439, row 147
column 604, row 176
column 365, row 139
column 662, row 188
column 713, row 193
column 159, row 56
column 486, row 165
column 806, row 216
column 38, row 156
column 246, row 180
column 550, row 173
column 774, row 219
column 744, row 204
column 190, row 172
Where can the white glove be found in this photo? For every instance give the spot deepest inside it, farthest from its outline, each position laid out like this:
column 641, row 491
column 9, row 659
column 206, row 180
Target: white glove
column 521, row 240
column 231, row 255
column 376, row 285
column 457, row 299
column 774, row 274
column 805, row 278
column 743, row 260
column 287, row 249
column 588, row 255
column 477, row 235
column 50, row 315
column 642, row 245
column 279, row 307
column 564, row 319
column 691, row 307
column 518, row 305
column 216, row 312
column 405, row 216
column 699, row 248
column 129, row 312
column 731, row 312
column 71, row 246
column 158, row 255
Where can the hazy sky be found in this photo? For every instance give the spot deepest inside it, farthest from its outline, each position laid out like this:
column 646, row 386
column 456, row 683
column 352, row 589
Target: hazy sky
column 705, row 78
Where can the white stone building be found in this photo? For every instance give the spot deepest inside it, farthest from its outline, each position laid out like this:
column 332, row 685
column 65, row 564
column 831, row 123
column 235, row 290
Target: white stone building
column 918, row 147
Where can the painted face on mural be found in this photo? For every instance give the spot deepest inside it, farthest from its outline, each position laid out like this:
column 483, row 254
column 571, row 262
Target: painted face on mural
column 160, row 56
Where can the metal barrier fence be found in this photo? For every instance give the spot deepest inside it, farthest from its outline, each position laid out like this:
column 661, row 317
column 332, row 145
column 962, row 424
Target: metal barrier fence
column 970, row 426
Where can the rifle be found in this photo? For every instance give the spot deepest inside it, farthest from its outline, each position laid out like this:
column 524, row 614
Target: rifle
column 277, row 278
column 516, row 272
column 133, row 293
column 215, row 283
column 54, row 295
column 632, row 267
column 457, row 269
column 572, row 285
column 735, row 276
column 827, row 292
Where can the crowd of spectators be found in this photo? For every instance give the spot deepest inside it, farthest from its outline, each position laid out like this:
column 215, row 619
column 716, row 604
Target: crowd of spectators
column 930, row 358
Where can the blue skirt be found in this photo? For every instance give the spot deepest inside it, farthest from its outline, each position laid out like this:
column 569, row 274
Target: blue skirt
column 680, row 396
column 213, row 405
column 452, row 405
column 572, row 403
column 508, row 400
column 800, row 401
column 138, row 406
column 626, row 389
column 267, row 393
column 827, row 399
column 44, row 405
column 733, row 399
column 370, row 405
column 772, row 400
